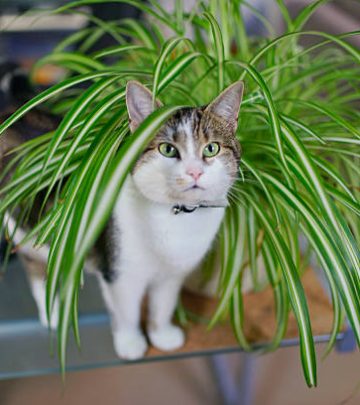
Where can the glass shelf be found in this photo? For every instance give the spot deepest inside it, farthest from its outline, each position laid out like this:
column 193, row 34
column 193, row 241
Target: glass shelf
column 25, row 346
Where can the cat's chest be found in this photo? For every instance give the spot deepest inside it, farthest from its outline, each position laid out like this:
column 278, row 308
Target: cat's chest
column 152, row 232
column 183, row 237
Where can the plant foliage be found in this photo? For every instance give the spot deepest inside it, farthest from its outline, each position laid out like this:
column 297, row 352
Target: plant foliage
column 299, row 131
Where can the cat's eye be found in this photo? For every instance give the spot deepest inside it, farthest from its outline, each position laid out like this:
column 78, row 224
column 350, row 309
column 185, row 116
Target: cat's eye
column 212, row 149
column 168, row 150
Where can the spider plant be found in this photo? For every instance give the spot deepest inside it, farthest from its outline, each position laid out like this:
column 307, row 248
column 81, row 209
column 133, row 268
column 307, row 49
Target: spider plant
column 299, row 131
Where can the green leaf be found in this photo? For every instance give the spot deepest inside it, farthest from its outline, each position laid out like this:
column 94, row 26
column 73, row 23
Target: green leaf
column 51, row 92
column 75, row 59
column 296, row 295
column 344, row 280
column 219, row 49
column 233, row 253
column 166, row 50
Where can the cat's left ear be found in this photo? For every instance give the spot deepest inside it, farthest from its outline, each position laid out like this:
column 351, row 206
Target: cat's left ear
column 227, row 104
column 139, row 103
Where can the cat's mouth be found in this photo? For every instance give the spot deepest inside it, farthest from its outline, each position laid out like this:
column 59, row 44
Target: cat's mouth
column 194, row 187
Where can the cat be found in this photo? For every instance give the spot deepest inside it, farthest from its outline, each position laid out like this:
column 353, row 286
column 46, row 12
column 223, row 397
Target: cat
column 192, row 160
column 165, row 219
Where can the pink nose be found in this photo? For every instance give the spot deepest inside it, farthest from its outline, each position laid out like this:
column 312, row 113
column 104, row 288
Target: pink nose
column 195, row 173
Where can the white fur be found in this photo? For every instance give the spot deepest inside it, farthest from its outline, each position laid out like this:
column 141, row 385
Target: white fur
column 157, row 251
column 37, row 281
column 17, row 234
column 38, row 289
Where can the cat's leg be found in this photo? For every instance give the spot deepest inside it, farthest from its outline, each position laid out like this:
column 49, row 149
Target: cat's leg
column 123, row 297
column 34, row 262
column 38, row 289
column 163, row 297
column 36, row 271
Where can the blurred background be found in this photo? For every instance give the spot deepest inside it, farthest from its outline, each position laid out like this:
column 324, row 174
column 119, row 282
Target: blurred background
column 24, row 37
column 270, row 379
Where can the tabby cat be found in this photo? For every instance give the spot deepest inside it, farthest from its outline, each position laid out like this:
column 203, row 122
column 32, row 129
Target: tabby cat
column 164, row 221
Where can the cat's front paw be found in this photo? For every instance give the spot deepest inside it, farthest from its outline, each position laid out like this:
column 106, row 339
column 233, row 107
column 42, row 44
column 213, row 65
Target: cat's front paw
column 169, row 337
column 130, row 344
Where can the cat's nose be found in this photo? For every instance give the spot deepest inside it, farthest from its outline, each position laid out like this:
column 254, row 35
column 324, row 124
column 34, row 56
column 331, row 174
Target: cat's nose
column 195, row 172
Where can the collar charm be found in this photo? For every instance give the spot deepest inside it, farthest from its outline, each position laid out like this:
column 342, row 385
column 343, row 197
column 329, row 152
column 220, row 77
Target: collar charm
column 176, row 209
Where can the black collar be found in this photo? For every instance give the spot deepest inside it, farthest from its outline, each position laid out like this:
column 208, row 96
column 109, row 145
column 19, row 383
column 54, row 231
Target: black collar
column 188, row 209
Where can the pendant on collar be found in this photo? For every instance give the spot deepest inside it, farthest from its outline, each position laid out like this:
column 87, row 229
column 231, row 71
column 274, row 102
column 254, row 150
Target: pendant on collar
column 188, row 209
column 176, row 209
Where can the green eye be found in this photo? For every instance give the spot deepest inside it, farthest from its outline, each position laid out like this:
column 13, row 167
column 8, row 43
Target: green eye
column 212, row 149
column 168, row 150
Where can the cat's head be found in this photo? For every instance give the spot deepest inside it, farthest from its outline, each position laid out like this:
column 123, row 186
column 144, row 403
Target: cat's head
column 194, row 158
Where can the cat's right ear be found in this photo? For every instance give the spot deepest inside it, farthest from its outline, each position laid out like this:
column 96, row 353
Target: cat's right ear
column 227, row 104
column 139, row 103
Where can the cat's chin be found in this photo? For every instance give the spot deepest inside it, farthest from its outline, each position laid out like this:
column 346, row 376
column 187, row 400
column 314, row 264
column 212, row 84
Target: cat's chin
column 199, row 196
column 167, row 200
column 185, row 199
column 188, row 197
